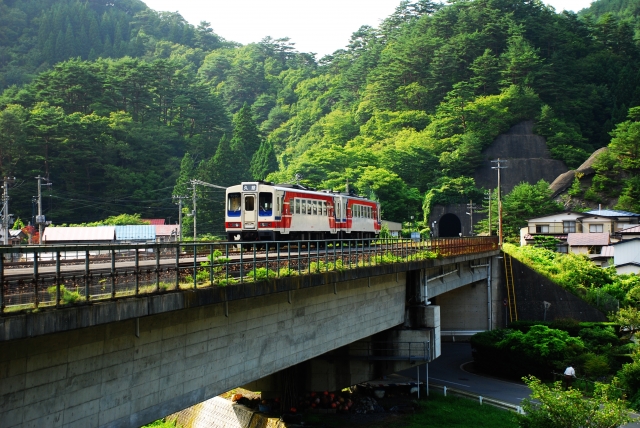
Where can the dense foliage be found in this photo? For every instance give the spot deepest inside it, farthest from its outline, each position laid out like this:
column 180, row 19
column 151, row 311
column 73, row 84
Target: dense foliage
column 596, row 350
column 552, row 406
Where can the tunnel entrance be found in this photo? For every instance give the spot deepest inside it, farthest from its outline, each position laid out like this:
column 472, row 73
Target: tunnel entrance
column 449, row 226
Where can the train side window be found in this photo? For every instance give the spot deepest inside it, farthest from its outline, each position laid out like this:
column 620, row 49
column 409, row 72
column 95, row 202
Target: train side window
column 234, row 202
column 304, row 206
column 337, row 205
column 265, row 203
column 297, row 206
column 324, row 208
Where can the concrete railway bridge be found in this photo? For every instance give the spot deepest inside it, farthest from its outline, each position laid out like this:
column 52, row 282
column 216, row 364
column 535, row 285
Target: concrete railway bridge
column 135, row 348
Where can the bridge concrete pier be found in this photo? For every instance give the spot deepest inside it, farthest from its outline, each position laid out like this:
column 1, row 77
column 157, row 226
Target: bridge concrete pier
column 369, row 358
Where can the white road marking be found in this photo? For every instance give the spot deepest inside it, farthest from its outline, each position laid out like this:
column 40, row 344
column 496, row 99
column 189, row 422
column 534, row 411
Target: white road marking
column 442, row 380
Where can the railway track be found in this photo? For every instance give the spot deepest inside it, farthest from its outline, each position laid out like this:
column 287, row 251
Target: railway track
column 48, row 278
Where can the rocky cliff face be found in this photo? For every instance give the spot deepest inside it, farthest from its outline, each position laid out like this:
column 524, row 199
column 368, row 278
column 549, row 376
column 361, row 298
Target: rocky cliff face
column 528, row 159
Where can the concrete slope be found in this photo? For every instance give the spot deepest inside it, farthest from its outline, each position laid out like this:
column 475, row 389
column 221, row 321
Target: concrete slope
column 532, row 289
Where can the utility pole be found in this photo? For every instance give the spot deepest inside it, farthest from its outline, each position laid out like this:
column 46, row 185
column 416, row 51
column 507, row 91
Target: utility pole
column 193, row 213
column 471, row 206
column 489, row 211
column 499, row 166
column 40, row 219
column 180, row 198
column 5, row 209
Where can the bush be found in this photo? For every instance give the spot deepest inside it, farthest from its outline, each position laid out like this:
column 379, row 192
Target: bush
column 599, row 339
column 596, row 366
column 552, row 406
column 513, row 353
column 66, row 297
column 630, row 378
column 543, row 348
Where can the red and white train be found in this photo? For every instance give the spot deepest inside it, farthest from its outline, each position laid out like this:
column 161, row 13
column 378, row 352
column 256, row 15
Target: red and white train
column 258, row 211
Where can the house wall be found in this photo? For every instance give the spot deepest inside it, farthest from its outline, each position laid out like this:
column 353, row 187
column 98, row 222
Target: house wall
column 627, row 252
column 608, row 225
column 579, row 250
column 628, row 269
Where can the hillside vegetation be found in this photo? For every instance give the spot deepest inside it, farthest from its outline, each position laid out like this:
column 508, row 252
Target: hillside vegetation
column 402, row 112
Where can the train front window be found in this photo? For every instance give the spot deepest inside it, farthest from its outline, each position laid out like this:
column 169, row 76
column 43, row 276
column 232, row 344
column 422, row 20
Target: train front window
column 234, row 201
column 265, row 202
column 249, row 202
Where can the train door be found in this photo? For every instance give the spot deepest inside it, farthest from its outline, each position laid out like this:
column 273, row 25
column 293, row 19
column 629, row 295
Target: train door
column 333, row 216
column 249, row 212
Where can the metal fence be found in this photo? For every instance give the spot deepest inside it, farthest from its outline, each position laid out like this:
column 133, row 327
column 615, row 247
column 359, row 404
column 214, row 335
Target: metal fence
column 49, row 275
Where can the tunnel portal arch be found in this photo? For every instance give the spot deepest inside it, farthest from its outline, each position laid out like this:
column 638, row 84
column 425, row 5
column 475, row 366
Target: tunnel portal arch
column 450, row 226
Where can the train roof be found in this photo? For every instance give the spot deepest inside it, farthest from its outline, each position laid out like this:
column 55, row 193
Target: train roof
column 299, row 187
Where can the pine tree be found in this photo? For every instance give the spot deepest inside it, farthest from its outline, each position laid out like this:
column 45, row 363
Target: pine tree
column 117, row 42
column 246, row 136
column 187, row 169
column 107, row 50
column 69, row 43
column 264, row 161
column 229, row 165
column 95, row 41
column 60, row 50
column 82, row 45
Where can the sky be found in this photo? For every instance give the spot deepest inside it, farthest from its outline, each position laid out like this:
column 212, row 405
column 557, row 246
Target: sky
column 321, row 27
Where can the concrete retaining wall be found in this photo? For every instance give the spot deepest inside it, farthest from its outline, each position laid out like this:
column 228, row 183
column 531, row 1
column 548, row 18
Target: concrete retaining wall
column 106, row 376
column 532, row 289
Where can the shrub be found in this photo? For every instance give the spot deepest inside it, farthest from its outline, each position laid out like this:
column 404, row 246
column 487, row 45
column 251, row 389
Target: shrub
column 262, row 273
column 67, row 297
column 595, row 366
column 599, row 339
column 543, row 347
column 551, row 406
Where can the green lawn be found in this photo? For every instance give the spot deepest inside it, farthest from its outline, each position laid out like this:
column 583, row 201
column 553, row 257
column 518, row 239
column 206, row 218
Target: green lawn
column 451, row 412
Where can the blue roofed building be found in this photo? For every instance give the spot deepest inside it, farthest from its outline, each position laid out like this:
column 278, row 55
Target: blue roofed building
column 137, row 233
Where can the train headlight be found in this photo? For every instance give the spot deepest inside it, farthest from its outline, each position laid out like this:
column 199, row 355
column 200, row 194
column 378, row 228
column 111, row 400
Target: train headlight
column 233, row 225
column 266, row 224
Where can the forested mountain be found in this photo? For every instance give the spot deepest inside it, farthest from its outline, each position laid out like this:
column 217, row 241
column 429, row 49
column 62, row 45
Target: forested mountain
column 36, row 34
column 402, row 111
column 623, row 10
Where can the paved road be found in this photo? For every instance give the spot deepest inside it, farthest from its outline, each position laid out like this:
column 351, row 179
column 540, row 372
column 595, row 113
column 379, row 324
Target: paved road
column 447, row 370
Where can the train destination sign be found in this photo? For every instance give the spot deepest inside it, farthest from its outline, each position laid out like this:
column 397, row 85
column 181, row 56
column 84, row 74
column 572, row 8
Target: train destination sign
column 249, row 187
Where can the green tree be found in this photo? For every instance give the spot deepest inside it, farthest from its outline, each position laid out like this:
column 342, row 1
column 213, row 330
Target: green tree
column 525, row 201
column 263, row 161
column 551, row 406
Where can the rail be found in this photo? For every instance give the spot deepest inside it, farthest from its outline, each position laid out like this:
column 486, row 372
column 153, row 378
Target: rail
column 58, row 275
column 481, row 399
